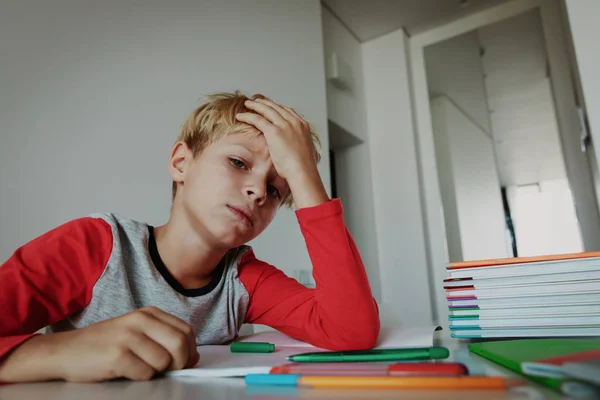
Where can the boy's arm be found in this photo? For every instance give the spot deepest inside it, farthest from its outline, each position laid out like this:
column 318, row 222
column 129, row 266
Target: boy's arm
column 50, row 278
column 53, row 277
column 340, row 314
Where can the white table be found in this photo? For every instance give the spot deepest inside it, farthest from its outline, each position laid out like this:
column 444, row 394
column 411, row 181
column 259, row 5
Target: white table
column 234, row 388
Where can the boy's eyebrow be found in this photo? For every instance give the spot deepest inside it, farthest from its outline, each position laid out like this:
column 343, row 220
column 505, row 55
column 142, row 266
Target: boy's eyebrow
column 241, row 146
column 273, row 174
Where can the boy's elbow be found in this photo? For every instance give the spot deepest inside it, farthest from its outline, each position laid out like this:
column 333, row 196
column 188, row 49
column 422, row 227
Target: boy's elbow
column 361, row 336
column 367, row 338
column 365, row 342
column 368, row 330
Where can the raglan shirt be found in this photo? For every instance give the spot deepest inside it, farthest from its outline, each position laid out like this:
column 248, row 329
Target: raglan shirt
column 103, row 266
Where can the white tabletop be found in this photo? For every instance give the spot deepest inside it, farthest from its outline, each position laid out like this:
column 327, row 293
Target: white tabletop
column 234, row 388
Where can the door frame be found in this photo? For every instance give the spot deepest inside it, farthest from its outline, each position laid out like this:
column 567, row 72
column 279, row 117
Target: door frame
column 434, row 226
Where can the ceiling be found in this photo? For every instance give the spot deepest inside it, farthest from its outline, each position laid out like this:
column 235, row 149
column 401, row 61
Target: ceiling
column 370, row 19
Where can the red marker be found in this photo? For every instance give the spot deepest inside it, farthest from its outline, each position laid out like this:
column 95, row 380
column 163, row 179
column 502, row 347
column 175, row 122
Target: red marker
column 428, row 369
column 373, row 369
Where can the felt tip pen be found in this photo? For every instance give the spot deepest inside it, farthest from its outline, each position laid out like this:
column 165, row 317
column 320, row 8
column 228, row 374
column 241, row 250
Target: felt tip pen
column 385, row 382
column 427, row 353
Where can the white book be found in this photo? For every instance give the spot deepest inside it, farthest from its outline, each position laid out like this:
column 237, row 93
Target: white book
column 543, row 322
column 524, row 269
column 570, row 310
column 481, row 283
column 534, row 332
column 528, row 291
column 528, row 301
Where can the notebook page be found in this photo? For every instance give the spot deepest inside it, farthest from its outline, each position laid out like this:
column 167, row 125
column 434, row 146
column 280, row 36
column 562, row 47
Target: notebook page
column 218, row 361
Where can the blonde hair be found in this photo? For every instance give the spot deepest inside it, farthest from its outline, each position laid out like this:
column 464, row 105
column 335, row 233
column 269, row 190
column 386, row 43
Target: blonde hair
column 216, row 119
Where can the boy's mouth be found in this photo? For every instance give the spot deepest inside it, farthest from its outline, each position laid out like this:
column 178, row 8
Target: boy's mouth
column 242, row 213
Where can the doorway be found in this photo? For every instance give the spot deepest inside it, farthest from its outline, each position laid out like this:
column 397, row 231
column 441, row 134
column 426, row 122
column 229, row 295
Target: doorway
column 558, row 175
column 496, row 131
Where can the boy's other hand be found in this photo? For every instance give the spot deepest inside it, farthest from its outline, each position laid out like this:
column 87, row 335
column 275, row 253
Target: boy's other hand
column 291, row 148
column 136, row 346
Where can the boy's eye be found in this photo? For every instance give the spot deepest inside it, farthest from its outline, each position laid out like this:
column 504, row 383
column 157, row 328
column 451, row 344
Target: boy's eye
column 273, row 191
column 237, row 163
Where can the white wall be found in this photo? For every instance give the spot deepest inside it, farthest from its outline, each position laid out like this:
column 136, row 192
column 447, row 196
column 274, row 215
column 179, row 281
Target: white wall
column 579, row 94
column 580, row 177
column 355, row 191
column 544, row 218
column 466, row 166
column 92, row 96
column 445, row 174
column 398, row 212
column 434, row 226
column 584, row 32
column 523, row 118
column 347, row 109
column 454, row 69
column 583, row 18
column 465, row 157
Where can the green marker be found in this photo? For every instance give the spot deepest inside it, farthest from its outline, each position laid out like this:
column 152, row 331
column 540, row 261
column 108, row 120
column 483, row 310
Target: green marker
column 252, row 347
column 428, row 353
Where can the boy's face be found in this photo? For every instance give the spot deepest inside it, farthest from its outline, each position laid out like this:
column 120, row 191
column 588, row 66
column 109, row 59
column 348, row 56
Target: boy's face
column 231, row 191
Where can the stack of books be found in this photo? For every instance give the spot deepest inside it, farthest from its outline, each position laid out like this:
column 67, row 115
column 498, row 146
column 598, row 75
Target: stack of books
column 550, row 296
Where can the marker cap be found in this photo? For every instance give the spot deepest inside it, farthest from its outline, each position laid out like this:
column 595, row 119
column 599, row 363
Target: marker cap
column 438, row 353
column 252, row 347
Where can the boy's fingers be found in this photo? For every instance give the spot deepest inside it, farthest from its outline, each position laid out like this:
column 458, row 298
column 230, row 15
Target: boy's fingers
column 270, row 113
column 294, row 113
column 151, row 353
column 178, row 324
column 172, row 339
column 282, row 110
column 134, row 368
column 195, row 361
column 256, row 120
column 168, row 318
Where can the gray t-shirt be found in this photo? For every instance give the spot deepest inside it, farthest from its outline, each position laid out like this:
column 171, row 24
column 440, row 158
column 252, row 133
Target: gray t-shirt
column 136, row 277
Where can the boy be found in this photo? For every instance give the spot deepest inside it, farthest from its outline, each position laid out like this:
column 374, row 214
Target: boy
column 124, row 299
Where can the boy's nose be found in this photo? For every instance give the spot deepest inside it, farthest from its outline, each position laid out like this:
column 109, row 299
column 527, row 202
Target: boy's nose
column 257, row 195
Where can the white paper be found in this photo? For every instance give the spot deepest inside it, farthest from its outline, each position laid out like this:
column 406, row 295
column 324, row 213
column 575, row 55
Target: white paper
column 277, row 338
column 219, row 361
column 388, row 338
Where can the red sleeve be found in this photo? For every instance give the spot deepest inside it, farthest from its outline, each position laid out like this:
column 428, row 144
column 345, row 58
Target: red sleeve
column 340, row 314
column 50, row 278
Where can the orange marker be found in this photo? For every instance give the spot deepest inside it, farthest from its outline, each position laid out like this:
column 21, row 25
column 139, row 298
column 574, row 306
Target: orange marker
column 385, row 382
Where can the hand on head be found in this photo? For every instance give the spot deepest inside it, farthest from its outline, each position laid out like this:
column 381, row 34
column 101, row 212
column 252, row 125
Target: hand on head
column 287, row 134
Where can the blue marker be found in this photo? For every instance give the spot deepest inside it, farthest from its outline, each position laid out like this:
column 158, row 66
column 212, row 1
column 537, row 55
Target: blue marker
column 272, row 379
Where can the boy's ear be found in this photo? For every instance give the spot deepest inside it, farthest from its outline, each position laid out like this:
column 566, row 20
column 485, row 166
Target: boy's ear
column 180, row 155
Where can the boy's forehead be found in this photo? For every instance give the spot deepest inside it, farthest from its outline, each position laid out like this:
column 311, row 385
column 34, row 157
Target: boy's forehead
column 253, row 140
